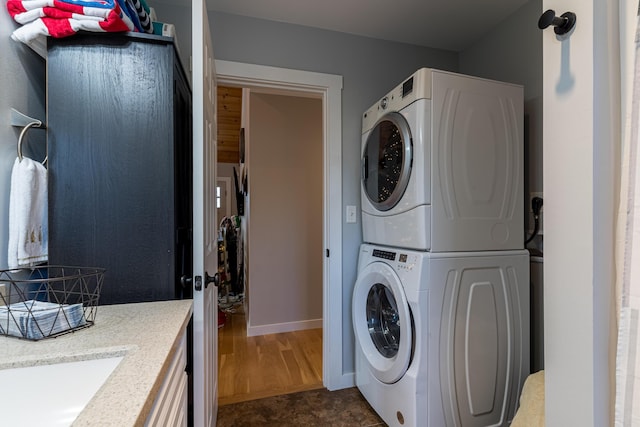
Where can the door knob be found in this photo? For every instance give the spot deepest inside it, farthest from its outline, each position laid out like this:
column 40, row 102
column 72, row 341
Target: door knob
column 186, row 281
column 210, row 279
column 563, row 24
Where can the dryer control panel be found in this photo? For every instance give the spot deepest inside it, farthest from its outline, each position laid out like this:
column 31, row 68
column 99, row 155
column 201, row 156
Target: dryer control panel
column 417, row 86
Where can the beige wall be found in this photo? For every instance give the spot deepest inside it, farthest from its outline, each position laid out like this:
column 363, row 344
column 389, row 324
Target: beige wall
column 285, row 220
column 225, row 170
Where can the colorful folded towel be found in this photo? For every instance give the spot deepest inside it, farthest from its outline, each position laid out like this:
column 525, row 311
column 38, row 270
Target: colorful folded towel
column 24, row 11
column 62, row 18
column 138, row 15
column 143, row 15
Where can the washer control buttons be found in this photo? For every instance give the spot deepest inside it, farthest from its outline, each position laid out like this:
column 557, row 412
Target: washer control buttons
column 384, row 254
column 406, row 262
column 384, row 102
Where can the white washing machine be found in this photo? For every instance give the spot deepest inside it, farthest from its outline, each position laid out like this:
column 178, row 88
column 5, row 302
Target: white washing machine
column 441, row 339
column 442, row 165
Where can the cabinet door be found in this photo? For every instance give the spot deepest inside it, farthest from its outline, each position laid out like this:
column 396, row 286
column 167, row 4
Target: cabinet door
column 183, row 152
column 110, row 130
column 170, row 405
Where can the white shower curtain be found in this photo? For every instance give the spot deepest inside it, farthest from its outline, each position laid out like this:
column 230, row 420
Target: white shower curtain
column 627, row 404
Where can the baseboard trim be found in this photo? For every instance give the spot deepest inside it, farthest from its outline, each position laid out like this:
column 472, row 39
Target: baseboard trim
column 276, row 328
column 346, row 380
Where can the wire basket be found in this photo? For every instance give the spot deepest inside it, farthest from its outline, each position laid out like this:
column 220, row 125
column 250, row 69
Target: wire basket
column 47, row 301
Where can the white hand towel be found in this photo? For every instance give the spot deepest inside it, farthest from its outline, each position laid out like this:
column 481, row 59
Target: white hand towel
column 28, row 218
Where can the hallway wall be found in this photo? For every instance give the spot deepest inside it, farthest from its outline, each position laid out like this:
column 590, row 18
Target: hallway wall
column 285, row 174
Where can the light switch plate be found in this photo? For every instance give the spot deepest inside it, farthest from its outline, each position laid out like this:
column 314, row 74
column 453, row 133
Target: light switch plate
column 351, row 214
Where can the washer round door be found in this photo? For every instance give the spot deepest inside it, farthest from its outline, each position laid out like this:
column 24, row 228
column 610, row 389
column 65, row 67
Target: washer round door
column 382, row 322
column 386, row 161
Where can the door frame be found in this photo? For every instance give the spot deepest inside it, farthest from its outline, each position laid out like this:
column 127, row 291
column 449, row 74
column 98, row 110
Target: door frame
column 328, row 87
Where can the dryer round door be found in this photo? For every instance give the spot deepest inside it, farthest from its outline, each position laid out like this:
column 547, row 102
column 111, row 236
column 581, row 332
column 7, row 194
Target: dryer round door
column 386, row 161
column 382, row 322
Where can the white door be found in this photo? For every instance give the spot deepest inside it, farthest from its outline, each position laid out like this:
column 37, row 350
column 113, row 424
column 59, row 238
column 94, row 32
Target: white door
column 205, row 301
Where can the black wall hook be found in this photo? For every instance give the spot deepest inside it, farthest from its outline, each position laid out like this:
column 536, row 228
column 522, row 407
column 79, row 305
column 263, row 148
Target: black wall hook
column 563, row 24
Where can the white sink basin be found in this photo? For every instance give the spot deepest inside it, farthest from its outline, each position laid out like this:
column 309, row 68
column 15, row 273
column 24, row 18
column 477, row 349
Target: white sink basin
column 51, row 395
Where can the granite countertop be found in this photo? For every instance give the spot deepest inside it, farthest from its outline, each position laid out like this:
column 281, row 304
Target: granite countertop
column 146, row 334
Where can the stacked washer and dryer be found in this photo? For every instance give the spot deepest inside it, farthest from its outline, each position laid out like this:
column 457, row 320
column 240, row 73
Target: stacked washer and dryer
column 441, row 301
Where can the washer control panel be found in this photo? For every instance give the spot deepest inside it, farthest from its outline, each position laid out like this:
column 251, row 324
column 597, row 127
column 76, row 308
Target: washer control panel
column 402, row 262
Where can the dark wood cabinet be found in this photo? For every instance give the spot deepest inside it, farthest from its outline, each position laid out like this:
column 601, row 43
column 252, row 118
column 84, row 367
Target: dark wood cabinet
column 120, row 163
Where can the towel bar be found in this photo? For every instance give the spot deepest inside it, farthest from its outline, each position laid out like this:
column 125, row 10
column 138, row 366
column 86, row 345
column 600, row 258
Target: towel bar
column 19, row 119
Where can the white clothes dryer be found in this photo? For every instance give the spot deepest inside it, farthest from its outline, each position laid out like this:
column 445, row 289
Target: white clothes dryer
column 442, row 165
column 441, row 339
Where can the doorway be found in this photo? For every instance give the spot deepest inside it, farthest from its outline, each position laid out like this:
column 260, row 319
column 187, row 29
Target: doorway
column 328, row 87
column 271, row 341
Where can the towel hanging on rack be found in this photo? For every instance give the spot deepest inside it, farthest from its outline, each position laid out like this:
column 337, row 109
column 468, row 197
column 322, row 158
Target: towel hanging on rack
column 28, row 217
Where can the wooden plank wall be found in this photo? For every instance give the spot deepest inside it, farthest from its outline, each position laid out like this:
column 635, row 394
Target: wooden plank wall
column 229, row 114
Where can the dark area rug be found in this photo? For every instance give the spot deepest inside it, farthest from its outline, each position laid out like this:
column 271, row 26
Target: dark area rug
column 308, row 408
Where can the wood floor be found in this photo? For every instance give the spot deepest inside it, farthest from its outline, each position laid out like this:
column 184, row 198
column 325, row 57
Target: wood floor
column 269, row 365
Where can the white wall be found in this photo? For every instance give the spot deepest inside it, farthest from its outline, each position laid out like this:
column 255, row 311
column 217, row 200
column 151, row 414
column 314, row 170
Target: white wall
column 581, row 141
column 285, row 222
column 22, row 86
column 577, row 165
